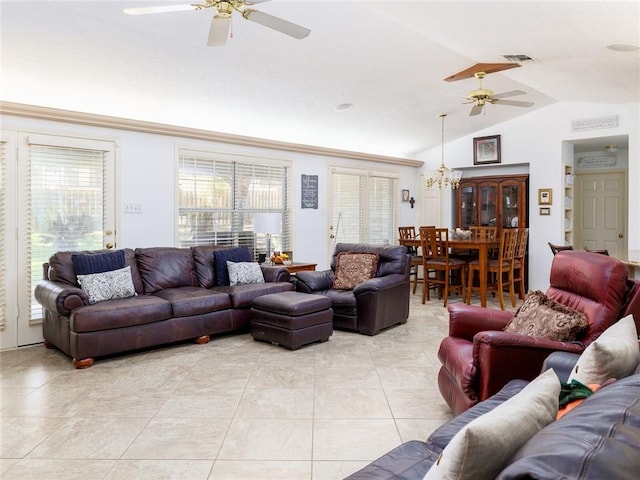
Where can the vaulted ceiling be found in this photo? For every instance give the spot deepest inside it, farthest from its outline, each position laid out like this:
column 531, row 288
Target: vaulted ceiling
column 388, row 59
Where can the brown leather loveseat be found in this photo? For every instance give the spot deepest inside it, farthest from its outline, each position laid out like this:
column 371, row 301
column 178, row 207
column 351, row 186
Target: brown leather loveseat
column 178, row 296
column 374, row 304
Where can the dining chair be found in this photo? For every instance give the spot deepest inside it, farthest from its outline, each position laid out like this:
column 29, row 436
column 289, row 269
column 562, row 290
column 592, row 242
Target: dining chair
column 602, row 251
column 497, row 268
column 449, row 273
column 559, row 248
column 409, row 233
column 484, row 232
column 519, row 257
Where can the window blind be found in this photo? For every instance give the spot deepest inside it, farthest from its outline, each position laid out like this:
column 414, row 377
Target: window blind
column 218, row 196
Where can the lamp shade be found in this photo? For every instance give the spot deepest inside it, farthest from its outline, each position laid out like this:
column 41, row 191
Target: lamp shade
column 267, row 223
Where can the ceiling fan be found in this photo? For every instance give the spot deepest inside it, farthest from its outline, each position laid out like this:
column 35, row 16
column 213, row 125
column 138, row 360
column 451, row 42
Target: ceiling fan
column 483, row 96
column 221, row 22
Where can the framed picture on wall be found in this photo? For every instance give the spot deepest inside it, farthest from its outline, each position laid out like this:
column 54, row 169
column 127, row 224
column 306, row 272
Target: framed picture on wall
column 405, row 195
column 486, row 150
column 545, row 196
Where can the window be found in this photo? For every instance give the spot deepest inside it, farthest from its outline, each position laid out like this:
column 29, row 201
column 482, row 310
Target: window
column 219, row 195
column 364, row 209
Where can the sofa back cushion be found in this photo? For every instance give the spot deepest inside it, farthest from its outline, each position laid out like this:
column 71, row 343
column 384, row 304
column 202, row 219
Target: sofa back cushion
column 61, row 267
column 391, row 258
column 166, row 267
column 599, row 439
column 593, row 284
column 203, row 258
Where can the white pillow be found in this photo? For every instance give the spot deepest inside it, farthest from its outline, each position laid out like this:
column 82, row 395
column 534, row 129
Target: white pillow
column 108, row 285
column 243, row 273
column 482, row 448
column 614, row 354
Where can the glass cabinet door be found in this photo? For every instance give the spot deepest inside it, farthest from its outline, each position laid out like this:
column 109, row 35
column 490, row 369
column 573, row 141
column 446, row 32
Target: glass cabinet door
column 468, row 207
column 510, row 195
column 488, row 204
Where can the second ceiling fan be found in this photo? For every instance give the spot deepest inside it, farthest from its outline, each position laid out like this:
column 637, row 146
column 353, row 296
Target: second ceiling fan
column 221, row 22
column 480, row 97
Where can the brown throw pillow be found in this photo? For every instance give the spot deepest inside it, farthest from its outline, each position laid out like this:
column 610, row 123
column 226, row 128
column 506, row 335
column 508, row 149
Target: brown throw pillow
column 541, row 316
column 353, row 269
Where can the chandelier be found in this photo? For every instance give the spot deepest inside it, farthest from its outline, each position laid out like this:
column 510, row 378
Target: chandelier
column 443, row 176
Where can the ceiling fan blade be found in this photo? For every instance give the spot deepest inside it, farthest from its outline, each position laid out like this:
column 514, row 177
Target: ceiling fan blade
column 512, row 103
column 282, row 26
column 512, row 93
column 160, row 9
column 219, row 31
column 253, row 2
column 476, row 110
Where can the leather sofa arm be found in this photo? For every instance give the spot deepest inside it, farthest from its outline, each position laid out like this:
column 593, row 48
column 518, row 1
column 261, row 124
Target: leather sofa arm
column 273, row 274
column 467, row 320
column 562, row 363
column 502, row 356
column 379, row 283
column 60, row 297
column 314, row 281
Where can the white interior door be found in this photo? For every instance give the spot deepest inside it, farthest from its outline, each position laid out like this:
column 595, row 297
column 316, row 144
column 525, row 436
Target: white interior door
column 430, row 204
column 63, row 200
column 601, row 213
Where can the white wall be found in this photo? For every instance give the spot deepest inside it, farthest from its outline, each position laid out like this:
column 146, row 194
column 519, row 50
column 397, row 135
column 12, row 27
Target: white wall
column 146, row 163
column 536, row 140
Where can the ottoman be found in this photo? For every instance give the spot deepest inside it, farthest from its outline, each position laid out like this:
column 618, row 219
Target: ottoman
column 291, row 319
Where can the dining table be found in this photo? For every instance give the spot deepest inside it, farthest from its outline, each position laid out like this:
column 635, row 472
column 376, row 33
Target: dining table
column 483, row 246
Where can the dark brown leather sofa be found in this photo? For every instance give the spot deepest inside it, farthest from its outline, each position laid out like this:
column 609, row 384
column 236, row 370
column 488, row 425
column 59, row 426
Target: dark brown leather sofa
column 178, row 299
column 599, row 439
column 478, row 358
column 372, row 305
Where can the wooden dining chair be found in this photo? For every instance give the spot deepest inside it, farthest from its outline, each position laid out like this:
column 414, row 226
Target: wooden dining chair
column 449, row 274
column 559, row 248
column 409, row 233
column 601, row 251
column 519, row 258
column 483, row 232
column 497, row 268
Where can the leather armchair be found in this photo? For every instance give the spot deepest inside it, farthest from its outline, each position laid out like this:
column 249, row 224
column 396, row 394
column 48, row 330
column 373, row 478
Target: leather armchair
column 478, row 358
column 372, row 305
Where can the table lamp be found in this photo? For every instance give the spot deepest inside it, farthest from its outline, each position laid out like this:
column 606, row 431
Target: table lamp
column 268, row 224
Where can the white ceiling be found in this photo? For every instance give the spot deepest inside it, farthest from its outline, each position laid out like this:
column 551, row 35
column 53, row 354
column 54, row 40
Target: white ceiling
column 387, row 58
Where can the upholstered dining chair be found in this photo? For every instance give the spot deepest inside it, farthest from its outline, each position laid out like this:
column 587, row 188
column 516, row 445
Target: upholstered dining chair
column 559, row 248
column 449, row 274
column 498, row 268
column 409, row 233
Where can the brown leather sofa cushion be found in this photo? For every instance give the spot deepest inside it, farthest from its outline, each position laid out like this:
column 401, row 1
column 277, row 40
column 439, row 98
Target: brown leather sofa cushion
column 187, row 301
column 166, row 267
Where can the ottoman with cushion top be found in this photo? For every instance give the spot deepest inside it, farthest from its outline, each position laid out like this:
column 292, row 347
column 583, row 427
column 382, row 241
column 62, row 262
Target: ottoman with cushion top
column 292, row 319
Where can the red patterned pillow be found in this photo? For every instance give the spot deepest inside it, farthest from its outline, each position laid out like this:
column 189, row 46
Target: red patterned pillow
column 541, row 316
column 353, row 269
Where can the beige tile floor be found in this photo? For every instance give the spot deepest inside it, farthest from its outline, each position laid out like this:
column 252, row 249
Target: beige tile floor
column 231, row 409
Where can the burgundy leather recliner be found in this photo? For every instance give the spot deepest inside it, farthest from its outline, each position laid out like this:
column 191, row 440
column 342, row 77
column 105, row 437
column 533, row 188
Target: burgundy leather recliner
column 478, row 358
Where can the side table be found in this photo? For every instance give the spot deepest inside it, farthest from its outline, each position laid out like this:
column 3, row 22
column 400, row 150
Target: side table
column 300, row 266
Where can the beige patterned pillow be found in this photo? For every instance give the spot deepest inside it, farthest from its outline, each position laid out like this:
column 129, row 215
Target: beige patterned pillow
column 353, row 269
column 541, row 316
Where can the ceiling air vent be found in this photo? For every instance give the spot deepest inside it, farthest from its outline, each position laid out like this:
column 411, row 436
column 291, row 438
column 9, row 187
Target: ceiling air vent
column 518, row 58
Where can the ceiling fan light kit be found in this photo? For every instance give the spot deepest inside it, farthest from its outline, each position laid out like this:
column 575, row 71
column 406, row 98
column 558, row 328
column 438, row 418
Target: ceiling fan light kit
column 480, row 97
column 221, row 22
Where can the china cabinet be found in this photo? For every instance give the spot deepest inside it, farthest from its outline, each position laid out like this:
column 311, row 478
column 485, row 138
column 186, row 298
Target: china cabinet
column 498, row 200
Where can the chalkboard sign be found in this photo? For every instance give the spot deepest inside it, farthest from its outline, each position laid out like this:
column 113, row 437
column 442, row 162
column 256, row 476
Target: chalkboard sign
column 309, row 191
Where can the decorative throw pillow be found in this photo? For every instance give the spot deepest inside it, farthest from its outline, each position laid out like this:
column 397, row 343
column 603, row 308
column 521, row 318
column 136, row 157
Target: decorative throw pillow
column 108, row 285
column 244, row 273
column 614, row 354
column 238, row 254
column 353, row 269
column 482, row 448
column 86, row 263
column 541, row 316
